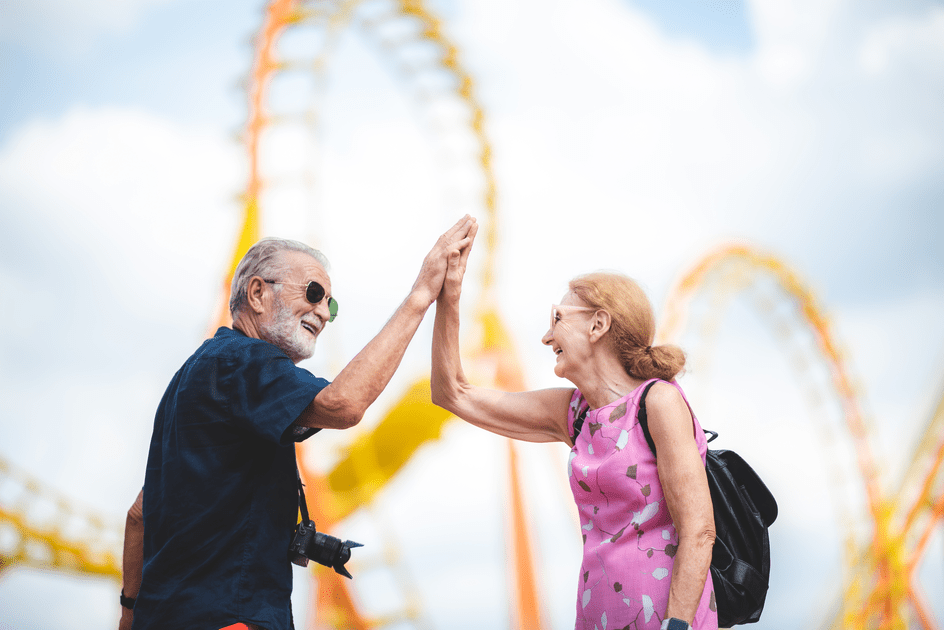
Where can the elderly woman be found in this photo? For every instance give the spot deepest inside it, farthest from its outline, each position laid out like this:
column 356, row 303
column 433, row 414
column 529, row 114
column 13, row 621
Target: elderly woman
column 647, row 523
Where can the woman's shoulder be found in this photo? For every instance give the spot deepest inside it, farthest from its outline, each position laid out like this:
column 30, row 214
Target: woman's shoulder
column 666, row 397
column 664, row 391
column 668, row 410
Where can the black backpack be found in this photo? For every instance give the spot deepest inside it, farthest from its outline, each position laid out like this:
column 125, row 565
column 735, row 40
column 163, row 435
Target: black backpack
column 744, row 508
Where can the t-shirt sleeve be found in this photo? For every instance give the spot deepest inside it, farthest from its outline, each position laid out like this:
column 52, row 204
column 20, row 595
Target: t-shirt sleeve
column 269, row 392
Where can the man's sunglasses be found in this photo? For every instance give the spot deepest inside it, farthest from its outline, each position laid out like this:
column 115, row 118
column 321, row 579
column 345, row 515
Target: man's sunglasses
column 314, row 293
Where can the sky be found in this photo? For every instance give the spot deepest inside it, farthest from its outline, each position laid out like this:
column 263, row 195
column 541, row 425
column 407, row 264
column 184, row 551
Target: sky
column 626, row 134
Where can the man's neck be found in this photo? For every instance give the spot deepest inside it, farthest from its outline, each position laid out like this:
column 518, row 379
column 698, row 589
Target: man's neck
column 246, row 325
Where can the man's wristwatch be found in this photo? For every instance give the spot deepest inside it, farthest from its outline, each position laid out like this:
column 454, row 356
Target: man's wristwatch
column 675, row 624
column 127, row 602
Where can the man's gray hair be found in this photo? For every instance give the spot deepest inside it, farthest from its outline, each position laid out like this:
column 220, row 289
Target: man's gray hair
column 263, row 260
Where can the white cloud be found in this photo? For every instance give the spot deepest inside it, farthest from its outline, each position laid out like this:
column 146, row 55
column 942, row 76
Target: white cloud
column 790, row 37
column 148, row 200
column 70, row 24
column 915, row 40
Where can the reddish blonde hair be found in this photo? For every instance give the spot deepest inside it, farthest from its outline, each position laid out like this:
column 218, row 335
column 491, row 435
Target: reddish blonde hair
column 633, row 324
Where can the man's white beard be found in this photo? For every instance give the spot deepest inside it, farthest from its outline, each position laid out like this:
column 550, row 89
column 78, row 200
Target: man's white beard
column 286, row 332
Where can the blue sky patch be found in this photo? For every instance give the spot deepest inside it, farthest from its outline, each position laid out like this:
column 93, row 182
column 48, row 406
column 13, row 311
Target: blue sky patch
column 720, row 25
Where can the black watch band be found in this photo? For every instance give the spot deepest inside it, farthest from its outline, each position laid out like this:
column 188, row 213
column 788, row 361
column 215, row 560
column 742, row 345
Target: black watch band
column 127, row 602
column 673, row 623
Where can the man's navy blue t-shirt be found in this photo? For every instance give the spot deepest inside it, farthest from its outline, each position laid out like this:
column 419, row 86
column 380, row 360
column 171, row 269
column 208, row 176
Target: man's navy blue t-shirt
column 220, row 495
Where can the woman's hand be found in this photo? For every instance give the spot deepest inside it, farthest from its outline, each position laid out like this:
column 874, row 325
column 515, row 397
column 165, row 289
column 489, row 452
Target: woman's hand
column 455, row 269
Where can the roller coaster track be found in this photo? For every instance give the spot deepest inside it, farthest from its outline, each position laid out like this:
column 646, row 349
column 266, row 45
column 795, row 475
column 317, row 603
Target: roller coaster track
column 385, row 20
column 42, row 529
column 881, row 588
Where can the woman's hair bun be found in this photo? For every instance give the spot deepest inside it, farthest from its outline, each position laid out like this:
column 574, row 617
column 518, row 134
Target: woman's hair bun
column 632, row 327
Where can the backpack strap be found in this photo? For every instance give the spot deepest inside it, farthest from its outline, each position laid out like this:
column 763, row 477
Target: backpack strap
column 578, row 424
column 644, row 418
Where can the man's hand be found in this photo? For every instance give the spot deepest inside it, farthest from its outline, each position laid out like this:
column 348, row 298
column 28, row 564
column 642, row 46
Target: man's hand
column 127, row 618
column 457, row 239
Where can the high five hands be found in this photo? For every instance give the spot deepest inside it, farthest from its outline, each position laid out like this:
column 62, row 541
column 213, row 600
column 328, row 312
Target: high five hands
column 455, row 269
column 448, row 254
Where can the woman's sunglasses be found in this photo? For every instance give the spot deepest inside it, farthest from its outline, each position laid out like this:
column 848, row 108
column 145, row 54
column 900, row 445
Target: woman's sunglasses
column 314, row 293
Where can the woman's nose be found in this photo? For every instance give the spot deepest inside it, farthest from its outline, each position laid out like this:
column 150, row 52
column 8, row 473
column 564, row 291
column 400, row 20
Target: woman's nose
column 547, row 338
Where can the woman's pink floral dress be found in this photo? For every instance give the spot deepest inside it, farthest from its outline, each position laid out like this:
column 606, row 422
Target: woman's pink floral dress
column 629, row 541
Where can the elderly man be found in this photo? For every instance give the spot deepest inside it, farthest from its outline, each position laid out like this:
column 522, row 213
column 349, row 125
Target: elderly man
column 220, row 497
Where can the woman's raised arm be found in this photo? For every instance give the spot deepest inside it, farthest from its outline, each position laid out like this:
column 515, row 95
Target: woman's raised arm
column 537, row 416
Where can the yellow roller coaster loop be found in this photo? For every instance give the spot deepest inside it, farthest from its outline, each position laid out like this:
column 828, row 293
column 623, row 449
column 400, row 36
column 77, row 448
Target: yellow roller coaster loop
column 42, row 529
column 332, row 16
column 881, row 584
column 813, row 315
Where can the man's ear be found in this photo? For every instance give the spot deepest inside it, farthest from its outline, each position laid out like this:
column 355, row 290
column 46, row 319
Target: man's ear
column 599, row 325
column 255, row 295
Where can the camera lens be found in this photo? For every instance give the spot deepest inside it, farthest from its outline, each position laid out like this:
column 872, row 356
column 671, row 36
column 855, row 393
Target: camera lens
column 331, row 552
column 309, row 544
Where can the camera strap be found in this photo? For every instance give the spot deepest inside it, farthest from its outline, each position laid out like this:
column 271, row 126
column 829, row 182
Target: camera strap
column 302, row 504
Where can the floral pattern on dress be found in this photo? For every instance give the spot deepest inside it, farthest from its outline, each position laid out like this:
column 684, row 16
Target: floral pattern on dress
column 629, row 540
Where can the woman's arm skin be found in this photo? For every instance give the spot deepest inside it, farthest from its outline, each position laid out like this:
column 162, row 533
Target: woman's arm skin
column 683, row 479
column 538, row 416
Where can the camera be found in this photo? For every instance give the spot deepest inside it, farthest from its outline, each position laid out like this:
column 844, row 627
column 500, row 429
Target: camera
column 309, row 544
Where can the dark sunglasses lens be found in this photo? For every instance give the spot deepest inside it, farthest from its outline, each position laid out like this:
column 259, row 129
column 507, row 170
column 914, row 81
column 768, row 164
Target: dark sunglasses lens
column 315, row 292
column 332, row 308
